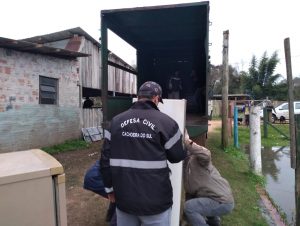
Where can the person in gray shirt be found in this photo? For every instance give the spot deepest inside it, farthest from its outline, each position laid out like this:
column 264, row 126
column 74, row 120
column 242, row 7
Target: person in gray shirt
column 208, row 194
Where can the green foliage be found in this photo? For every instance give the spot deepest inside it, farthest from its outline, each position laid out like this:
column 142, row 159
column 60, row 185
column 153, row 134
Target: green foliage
column 257, row 179
column 280, row 92
column 296, row 93
column 260, row 80
column 234, row 79
column 69, row 145
column 257, row 89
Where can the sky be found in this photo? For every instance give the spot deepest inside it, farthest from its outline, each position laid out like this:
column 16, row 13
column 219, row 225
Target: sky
column 255, row 26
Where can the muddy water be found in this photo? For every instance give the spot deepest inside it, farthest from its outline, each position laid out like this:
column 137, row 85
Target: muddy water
column 280, row 179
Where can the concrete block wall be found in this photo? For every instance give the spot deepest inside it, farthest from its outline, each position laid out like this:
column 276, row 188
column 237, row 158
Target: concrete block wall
column 24, row 123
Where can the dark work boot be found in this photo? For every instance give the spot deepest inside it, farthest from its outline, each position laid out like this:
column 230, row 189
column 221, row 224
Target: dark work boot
column 213, row 221
column 110, row 212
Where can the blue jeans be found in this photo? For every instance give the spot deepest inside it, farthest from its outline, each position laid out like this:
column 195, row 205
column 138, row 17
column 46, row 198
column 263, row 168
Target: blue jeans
column 197, row 209
column 161, row 219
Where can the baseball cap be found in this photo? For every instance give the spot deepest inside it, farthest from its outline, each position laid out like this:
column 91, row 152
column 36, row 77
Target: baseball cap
column 149, row 89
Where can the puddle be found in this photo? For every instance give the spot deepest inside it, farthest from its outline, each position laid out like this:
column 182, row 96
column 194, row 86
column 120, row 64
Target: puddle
column 280, row 179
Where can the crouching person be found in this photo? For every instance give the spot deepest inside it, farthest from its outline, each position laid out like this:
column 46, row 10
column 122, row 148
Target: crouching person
column 93, row 181
column 208, row 194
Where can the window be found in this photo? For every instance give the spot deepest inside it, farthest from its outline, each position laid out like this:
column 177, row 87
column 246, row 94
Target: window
column 48, row 90
column 285, row 107
column 297, row 106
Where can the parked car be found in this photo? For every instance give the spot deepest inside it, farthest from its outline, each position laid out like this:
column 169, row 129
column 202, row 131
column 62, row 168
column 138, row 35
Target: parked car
column 281, row 112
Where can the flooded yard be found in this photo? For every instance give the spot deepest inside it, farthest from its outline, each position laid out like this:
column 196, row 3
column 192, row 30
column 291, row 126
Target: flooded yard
column 280, row 178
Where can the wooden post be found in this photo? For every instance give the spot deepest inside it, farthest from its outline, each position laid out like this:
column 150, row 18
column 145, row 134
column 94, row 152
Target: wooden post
column 265, row 115
column 287, row 51
column 297, row 171
column 225, row 76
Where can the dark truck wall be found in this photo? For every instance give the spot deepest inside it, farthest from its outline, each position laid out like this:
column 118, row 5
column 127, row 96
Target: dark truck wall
column 192, row 71
column 167, row 39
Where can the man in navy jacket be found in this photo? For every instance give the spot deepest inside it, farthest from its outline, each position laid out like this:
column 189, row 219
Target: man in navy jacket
column 134, row 160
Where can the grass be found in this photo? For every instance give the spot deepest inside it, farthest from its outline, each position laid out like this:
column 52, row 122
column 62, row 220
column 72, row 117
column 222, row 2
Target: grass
column 216, row 117
column 234, row 166
column 274, row 137
column 66, row 146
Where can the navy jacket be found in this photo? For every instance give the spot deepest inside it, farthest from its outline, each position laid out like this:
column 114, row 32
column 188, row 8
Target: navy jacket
column 93, row 180
column 134, row 158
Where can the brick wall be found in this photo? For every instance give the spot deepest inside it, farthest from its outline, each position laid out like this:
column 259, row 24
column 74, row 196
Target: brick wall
column 24, row 123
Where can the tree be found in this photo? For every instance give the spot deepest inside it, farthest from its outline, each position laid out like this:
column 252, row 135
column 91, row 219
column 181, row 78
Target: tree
column 260, row 80
column 215, row 77
column 215, row 80
column 234, row 81
column 296, row 82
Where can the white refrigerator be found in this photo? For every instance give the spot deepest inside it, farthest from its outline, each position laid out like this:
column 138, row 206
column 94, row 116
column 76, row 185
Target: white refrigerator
column 32, row 189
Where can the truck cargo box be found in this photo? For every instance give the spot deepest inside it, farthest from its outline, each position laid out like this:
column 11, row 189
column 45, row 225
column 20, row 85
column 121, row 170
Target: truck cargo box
column 168, row 39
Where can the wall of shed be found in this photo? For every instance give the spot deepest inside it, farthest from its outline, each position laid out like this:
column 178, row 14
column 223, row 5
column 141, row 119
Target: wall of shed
column 24, row 123
column 90, row 74
column 90, row 66
column 90, row 71
column 119, row 80
column 90, row 77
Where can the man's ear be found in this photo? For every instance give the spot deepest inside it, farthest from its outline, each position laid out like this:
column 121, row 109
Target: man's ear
column 155, row 99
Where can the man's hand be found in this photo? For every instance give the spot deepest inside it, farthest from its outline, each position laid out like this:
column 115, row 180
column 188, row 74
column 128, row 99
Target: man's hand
column 111, row 197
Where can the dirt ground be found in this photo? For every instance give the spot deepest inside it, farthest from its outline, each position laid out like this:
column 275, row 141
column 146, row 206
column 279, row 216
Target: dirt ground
column 85, row 208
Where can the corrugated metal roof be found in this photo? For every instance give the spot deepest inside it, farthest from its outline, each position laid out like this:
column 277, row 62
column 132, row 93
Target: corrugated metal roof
column 68, row 34
column 61, row 35
column 40, row 44
column 26, row 46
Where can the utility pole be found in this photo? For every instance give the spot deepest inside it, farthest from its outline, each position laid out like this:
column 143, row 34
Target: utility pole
column 287, row 51
column 225, row 76
column 297, row 172
column 294, row 145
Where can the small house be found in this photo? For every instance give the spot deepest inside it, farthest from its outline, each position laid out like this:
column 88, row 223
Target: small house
column 43, row 81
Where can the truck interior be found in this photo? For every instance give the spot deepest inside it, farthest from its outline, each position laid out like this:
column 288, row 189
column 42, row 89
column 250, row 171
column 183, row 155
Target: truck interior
column 169, row 39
